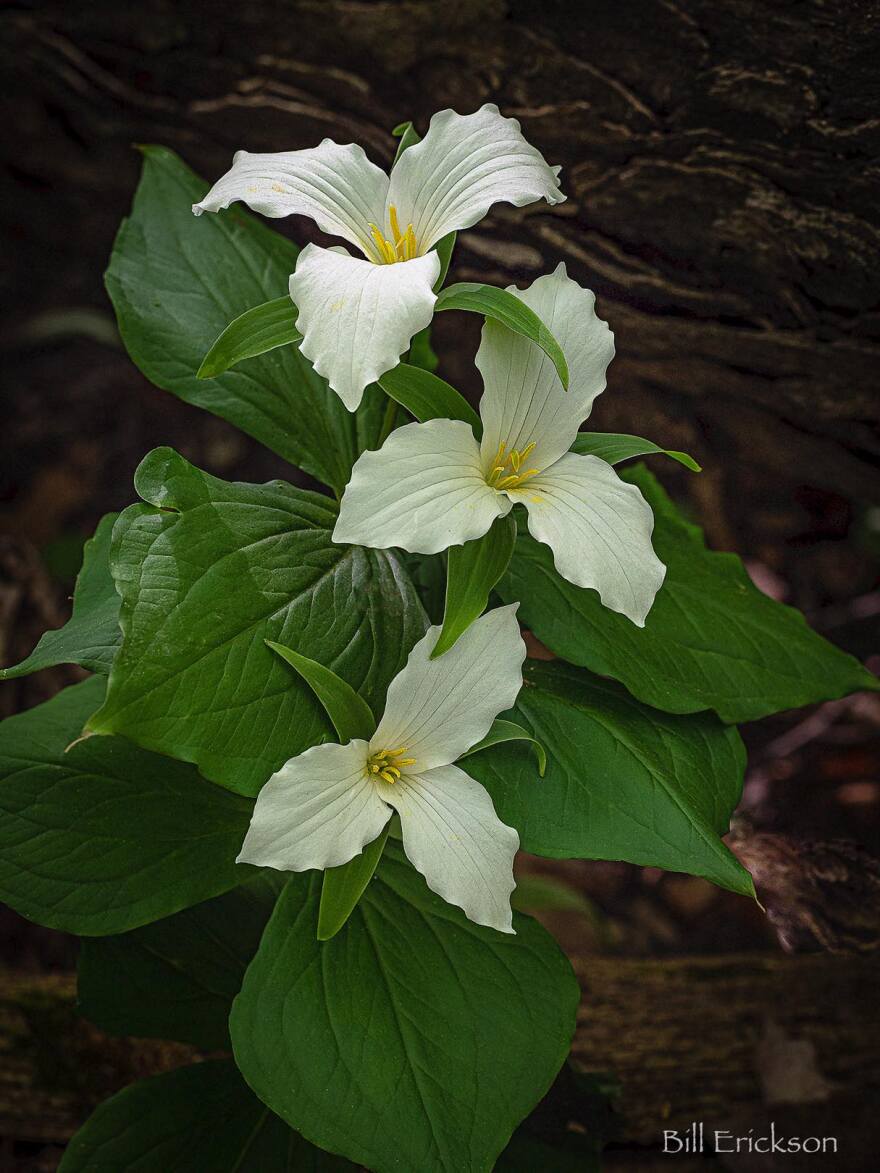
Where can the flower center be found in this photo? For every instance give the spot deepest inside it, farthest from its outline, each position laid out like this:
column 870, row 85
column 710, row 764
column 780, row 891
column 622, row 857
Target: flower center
column 402, row 248
column 506, row 471
column 387, row 764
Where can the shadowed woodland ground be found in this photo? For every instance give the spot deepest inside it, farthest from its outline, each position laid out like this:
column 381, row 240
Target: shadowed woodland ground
column 721, row 161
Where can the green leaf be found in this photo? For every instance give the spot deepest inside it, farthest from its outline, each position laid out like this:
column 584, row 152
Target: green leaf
column 412, row 1040
column 408, row 136
column 623, row 781
column 91, row 636
column 712, row 639
column 352, row 717
column 421, row 353
column 252, row 333
column 472, row 570
column 343, row 887
column 177, row 281
column 210, row 570
column 428, row 572
column 507, row 309
column 502, row 731
column 99, row 836
column 615, row 447
column 426, row 396
column 198, row 1119
column 444, row 249
column 181, row 973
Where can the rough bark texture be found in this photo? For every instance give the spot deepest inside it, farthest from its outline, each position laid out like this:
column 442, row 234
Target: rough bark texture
column 720, row 157
column 731, row 1041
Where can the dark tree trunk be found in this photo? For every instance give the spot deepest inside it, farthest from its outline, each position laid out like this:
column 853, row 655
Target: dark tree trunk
column 732, row 1041
column 720, row 158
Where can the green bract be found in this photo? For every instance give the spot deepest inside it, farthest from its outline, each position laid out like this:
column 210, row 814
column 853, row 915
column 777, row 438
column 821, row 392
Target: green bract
column 194, row 677
column 99, row 836
column 711, row 641
column 274, row 691
column 434, row 1091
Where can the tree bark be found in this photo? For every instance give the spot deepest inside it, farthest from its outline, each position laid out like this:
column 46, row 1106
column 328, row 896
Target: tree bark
column 720, row 159
column 730, row 1041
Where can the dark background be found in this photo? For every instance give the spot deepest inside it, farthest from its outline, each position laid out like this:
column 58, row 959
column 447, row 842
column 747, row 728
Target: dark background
column 721, row 160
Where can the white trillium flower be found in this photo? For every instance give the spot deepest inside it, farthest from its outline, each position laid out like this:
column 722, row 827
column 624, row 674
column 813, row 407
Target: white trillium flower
column 323, row 807
column 356, row 315
column 433, row 485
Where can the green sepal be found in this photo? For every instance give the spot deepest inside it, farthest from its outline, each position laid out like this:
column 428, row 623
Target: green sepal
column 343, row 887
column 615, row 447
column 352, row 717
column 509, row 731
column 509, row 311
column 421, row 353
column 408, row 135
column 256, row 331
column 472, row 570
column 426, row 396
column 444, row 249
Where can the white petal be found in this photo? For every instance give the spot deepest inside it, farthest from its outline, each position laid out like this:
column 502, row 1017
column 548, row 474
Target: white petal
column 452, row 835
column 320, row 810
column 439, row 708
column 336, row 186
column 599, row 529
column 357, row 318
column 524, row 400
column 464, row 165
column 423, row 490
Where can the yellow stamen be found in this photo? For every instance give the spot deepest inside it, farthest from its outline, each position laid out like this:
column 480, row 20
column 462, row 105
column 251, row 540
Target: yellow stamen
column 395, row 227
column 387, row 764
column 403, row 245
column 506, row 470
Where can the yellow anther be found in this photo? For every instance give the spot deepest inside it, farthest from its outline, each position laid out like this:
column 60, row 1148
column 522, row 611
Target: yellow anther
column 402, row 247
column 395, row 227
column 506, row 471
column 387, row 764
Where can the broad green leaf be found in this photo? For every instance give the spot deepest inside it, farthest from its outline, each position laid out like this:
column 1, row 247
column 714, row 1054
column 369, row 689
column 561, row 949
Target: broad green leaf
column 255, row 332
column 615, row 447
column 623, row 781
column 414, row 1039
column 177, row 281
column 472, row 570
column 198, row 1119
column 502, row 731
column 208, row 571
column 426, row 396
column 712, row 639
column 100, row 836
column 350, row 714
column 91, row 636
column 343, row 887
column 506, row 308
column 181, row 973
